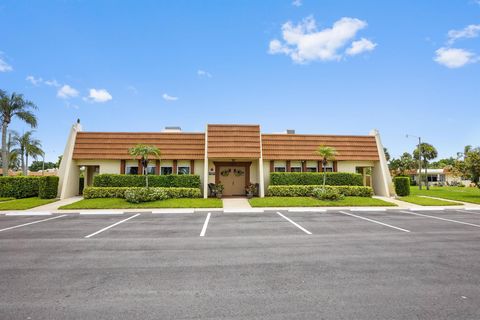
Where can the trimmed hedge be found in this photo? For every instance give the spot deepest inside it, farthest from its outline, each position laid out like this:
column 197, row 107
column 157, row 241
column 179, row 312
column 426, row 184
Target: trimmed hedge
column 26, row 187
column 137, row 195
column 402, row 186
column 119, row 192
column 19, row 187
column 310, row 191
column 48, row 187
column 315, row 178
column 128, row 180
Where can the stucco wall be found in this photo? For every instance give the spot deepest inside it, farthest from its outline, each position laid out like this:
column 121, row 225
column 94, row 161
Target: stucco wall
column 349, row 166
column 106, row 166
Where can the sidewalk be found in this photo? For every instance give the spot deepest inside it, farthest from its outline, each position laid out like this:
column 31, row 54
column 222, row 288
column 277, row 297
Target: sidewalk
column 55, row 205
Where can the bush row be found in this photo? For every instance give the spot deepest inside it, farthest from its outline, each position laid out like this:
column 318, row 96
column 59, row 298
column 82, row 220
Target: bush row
column 315, row 178
column 309, row 191
column 402, row 186
column 26, row 187
column 166, row 181
column 119, row 192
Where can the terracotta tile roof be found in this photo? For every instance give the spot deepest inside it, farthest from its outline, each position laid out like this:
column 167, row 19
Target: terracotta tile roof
column 302, row 147
column 233, row 141
column 114, row 145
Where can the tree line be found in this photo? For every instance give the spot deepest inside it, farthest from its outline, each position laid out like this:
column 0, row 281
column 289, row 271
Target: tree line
column 466, row 164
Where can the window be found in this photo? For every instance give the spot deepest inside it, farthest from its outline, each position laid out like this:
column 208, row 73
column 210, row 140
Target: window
column 328, row 169
column 183, row 170
column 151, row 170
column 295, row 169
column 166, row 170
column 131, row 170
column 279, row 169
column 311, row 169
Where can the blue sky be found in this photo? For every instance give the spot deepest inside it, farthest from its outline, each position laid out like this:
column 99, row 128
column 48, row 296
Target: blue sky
column 317, row 66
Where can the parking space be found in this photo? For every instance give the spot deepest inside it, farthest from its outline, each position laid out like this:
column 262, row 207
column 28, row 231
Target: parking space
column 281, row 223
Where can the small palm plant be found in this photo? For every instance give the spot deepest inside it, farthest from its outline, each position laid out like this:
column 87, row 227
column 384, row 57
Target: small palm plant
column 327, row 154
column 143, row 151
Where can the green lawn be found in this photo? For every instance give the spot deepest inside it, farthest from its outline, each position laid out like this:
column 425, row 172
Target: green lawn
column 464, row 194
column 6, row 199
column 115, row 203
column 428, row 201
column 312, row 202
column 22, row 204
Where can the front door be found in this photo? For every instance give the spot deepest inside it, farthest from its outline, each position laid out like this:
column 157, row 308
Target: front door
column 233, row 180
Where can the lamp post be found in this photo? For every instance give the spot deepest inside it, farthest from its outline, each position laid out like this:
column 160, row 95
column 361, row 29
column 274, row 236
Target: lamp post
column 419, row 159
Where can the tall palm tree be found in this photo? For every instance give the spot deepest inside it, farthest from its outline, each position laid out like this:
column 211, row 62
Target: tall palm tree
column 327, row 154
column 428, row 152
column 12, row 152
column 28, row 147
column 143, row 151
column 14, row 106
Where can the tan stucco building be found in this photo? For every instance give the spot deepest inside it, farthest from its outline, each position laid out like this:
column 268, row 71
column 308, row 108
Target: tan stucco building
column 233, row 155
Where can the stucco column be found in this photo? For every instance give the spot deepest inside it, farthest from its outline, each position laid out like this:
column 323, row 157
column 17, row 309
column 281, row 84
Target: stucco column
column 382, row 181
column 69, row 172
column 205, row 166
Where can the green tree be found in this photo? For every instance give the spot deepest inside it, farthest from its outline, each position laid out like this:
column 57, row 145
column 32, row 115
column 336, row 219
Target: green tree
column 39, row 165
column 442, row 163
column 387, row 154
column 14, row 106
column 471, row 165
column 427, row 153
column 143, row 152
column 402, row 165
column 28, row 147
column 327, row 154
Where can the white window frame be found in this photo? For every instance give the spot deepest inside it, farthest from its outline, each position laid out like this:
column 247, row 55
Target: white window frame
column 298, row 167
column 161, row 171
column 127, row 171
column 280, row 167
column 311, row 167
column 150, row 166
column 184, row 166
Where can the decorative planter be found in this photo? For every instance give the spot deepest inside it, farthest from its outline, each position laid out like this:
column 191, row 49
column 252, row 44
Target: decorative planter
column 219, row 195
column 249, row 195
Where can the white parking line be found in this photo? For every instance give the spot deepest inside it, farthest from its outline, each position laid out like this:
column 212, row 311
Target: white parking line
column 426, row 209
column 33, row 222
column 375, row 221
column 205, row 224
column 111, row 226
column 368, row 209
column 444, row 219
column 94, row 213
column 28, row 213
column 294, row 223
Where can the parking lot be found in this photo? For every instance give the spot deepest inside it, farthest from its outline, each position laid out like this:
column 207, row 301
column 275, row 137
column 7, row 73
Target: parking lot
column 323, row 264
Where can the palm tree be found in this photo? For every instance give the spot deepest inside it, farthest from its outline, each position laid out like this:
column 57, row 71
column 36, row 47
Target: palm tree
column 143, row 151
column 327, row 154
column 11, row 151
column 28, row 146
column 428, row 152
column 10, row 107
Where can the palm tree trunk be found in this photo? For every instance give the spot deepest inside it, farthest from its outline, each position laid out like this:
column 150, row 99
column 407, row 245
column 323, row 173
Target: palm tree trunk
column 25, row 168
column 5, row 157
column 426, row 176
column 324, row 176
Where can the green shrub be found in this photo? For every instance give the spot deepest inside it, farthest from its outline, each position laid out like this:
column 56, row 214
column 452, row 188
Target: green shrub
column 19, row 187
column 137, row 195
column 308, row 191
column 402, row 186
column 315, row 178
column 330, row 194
column 48, row 187
column 119, row 192
column 128, row 180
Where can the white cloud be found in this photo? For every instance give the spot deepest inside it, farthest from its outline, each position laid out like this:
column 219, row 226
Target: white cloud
column 470, row 31
column 360, row 46
column 304, row 42
column 4, row 66
column 66, row 92
column 169, row 98
column 52, row 83
column 98, row 95
column 454, row 58
column 34, row 81
column 203, row 73
column 298, row 3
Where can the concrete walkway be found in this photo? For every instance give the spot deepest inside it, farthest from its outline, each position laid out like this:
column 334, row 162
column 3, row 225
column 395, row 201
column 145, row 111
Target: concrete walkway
column 55, row 205
column 238, row 205
column 400, row 204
